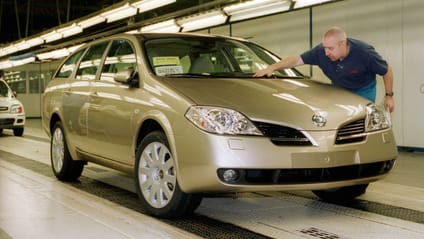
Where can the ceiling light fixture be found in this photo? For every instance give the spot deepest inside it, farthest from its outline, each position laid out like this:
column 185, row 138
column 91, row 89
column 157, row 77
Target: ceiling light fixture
column 306, row 3
column 91, row 21
column 204, row 20
column 119, row 13
column 255, row 8
column 35, row 41
column 56, row 54
column 51, row 36
column 5, row 64
column 169, row 26
column 146, row 5
column 70, row 30
column 23, row 61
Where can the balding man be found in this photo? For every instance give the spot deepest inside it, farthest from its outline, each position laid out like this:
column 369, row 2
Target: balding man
column 349, row 63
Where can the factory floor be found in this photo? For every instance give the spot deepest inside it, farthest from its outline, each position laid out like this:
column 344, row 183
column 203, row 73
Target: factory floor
column 34, row 204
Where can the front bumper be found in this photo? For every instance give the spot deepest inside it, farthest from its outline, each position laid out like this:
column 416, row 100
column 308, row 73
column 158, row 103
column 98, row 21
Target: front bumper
column 263, row 166
column 10, row 121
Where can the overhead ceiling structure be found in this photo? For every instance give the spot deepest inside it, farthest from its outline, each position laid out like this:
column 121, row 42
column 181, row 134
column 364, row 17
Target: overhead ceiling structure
column 23, row 18
column 35, row 29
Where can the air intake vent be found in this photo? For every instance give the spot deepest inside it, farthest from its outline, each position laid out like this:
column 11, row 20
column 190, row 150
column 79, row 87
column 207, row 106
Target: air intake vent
column 282, row 135
column 351, row 133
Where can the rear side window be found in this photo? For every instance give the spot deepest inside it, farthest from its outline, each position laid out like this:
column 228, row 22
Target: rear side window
column 121, row 57
column 90, row 62
column 69, row 65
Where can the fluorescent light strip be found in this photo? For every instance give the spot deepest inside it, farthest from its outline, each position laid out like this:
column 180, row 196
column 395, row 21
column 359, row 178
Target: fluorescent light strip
column 205, row 20
column 70, row 30
column 305, row 3
column 147, row 5
column 91, row 21
column 248, row 5
column 56, row 54
column 35, row 41
column 257, row 11
column 119, row 13
column 166, row 26
column 51, row 36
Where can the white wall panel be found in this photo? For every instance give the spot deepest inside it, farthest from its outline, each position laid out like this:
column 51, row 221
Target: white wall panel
column 284, row 34
column 413, row 78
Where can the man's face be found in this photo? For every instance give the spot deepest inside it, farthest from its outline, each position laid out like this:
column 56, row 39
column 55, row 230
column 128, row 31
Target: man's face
column 334, row 48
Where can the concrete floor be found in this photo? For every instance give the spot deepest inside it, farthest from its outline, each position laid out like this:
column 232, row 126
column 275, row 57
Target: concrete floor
column 33, row 204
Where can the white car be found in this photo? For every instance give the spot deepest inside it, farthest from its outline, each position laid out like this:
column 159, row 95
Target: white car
column 12, row 114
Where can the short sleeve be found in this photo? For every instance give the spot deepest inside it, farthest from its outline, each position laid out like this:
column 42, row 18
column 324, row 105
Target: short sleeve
column 377, row 63
column 311, row 57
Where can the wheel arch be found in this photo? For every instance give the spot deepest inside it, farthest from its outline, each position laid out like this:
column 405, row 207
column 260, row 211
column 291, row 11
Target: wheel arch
column 53, row 119
column 157, row 121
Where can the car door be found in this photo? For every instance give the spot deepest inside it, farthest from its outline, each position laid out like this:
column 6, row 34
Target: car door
column 67, row 94
column 111, row 110
column 76, row 104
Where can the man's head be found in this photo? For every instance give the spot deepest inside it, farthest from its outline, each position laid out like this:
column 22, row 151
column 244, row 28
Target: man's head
column 335, row 44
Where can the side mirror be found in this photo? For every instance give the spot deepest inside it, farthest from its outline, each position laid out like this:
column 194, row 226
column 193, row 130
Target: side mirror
column 129, row 77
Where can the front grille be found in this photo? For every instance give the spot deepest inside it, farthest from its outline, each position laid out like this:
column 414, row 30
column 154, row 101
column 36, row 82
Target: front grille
column 6, row 122
column 283, row 135
column 308, row 175
column 4, row 108
column 351, row 133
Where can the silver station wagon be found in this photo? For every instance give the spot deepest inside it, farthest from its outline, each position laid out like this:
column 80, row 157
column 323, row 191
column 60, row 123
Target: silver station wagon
column 183, row 115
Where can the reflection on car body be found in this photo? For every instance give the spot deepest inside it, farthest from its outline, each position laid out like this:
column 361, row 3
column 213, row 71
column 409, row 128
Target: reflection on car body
column 182, row 113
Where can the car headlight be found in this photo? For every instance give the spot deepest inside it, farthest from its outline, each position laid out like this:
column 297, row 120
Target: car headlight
column 377, row 118
column 16, row 109
column 221, row 121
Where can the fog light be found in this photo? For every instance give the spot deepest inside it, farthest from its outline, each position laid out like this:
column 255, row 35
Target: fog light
column 230, row 175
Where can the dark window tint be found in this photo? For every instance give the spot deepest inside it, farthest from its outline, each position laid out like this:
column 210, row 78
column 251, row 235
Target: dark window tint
column 90, row 62
column 69, row 66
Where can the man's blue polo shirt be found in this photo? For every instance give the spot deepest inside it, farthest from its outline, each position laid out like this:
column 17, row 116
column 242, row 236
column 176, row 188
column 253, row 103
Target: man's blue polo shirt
column 355, row 72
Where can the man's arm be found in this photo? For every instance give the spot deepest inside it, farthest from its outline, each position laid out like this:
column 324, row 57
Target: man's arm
column 288, row 62
column 389, row 102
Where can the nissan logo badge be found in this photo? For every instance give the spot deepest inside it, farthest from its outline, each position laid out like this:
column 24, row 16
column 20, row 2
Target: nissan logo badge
column 319, row 120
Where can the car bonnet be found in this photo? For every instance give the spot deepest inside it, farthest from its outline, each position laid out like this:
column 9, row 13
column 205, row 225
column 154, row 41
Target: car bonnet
column 291, row 102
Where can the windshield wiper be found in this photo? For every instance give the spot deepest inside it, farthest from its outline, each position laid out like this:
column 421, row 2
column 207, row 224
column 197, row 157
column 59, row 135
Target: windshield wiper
column 232, row 74
column 189, row 75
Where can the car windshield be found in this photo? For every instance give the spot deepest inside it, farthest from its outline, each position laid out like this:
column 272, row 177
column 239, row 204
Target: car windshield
column 4, row 90
column 209, row 57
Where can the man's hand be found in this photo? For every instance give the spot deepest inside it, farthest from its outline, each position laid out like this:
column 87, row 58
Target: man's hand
column 389, row 103
column 264, row 72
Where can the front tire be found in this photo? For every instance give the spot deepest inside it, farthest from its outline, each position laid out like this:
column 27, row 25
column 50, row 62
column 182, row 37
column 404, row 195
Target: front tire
column 156, row 180
column 342, row 194
column 64, row 167
column 18, row 131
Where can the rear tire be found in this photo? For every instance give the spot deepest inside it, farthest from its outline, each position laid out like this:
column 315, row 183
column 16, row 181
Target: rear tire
column 342, row 194
column 64, row 167
column 156, row 180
